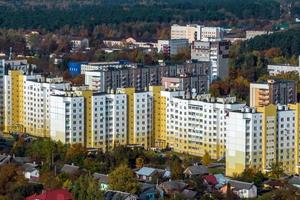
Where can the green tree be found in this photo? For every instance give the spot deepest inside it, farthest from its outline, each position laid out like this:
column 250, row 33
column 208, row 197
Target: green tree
column 176, row 167
column 86, row 188
column 123, row 179
column 276, row 170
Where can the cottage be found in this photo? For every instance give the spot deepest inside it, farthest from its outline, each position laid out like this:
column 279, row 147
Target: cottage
column 118, row 195
column 241, row 189
column 190, row 194
column 195, row 170
column 295, row 181
column 57, row 194
column 173, row 187
column 102, row 180
column 148, row 192
column 146, row 174
column 30, row 171
column 273, row 184
column 69, row 169
column 221, row 180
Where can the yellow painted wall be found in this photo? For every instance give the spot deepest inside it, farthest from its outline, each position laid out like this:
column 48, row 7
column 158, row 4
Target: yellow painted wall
column 130, row 113
column 88, row 140
column 159, row 118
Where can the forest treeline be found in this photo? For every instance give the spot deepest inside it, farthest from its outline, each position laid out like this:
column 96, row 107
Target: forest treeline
column 52, row 15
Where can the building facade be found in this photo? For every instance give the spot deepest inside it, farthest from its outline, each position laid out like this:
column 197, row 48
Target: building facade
column 259, row 138
column 273, row 92
column 26, row 101
column 67, row 117
column 196, row 125
column 216, row 52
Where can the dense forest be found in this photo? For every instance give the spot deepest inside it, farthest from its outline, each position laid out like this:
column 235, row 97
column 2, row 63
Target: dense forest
column 52, row 15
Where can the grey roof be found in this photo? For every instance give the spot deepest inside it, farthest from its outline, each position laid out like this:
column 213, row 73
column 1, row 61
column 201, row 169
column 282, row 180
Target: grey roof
column 103, row 178
column 189, row 194
column 69, row 169
column 146, row 171
column 22, row 160
column 173, row 185
column 196, row 170
column 118, row 195
column 295, row 180
column 29, row 167
column 240, row 185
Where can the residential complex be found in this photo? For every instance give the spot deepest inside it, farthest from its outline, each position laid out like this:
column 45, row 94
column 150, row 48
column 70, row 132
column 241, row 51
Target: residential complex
column 273, row 92
column 279, row 69
column 251, row 33
column 215, row 52
column 194, row 32
column 27, row 102
column 188, row 76
column 198, row 125
column 261, row 137
column 172, row 47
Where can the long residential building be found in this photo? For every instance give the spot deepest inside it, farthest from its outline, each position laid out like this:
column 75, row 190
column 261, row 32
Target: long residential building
column 194, row 32
column 193, row 74
column 27, row 102
column 260, row 137
column 198, row 125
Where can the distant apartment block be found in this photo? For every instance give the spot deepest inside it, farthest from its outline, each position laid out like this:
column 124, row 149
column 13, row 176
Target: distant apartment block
column 258, row 138
column 79, row 43
column 251, row 33
column 190, row 75
column 172, row 47
column 280, row 69
column 273, row 92
column 2, row 73
column 194, row 32
column 217, row 53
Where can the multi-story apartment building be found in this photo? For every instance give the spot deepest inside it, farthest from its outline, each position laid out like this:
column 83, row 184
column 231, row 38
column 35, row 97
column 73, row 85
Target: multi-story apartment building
column 194, row 32
column 66, row 110
column 258, row 138
column 273, row 92
column 106, row 79
column 108, row 115
column 215, row 52
column 251, row 33
column 2, row 70
column 26, row 101
column 172, row 47
column 197, row 124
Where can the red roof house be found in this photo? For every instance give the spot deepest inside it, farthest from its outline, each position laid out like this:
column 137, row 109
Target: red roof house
column 210, row 179
column 58, row 194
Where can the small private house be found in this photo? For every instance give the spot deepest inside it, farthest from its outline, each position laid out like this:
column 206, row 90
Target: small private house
column 195, row 170
column 294, row 181
column 102, row 179
column 146, row 174
column 57, row 194
column 118, row 195
column 69, row 169
column 241, row 189
column 31, row 172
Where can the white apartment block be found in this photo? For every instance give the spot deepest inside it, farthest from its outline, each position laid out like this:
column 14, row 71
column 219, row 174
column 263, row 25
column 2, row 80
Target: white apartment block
column 26, row 101
column 217, row 53
column 194, row 32
column 196, row 126
column 280, row 69
column 108, row 121
column 260, row 137
column 2, row 71
column 67, row 117
column 143, row 105
column 95, row 80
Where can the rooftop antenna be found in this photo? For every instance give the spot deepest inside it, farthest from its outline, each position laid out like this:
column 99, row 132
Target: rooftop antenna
column 10, row 53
